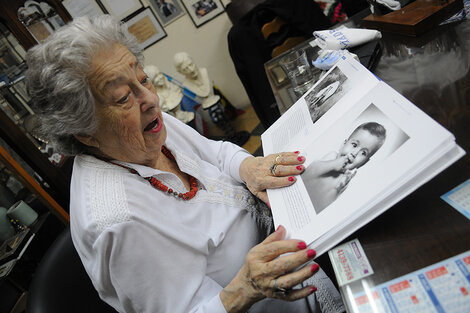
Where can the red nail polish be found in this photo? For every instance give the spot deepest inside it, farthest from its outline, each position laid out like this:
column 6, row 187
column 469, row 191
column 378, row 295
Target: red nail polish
column 300, row 158
column 313, row 289
column 291, row 178
column 299, row 167
column 278, row 227
column 297, row 152
column 311, row 253
column 302, row 245
column 314, row 268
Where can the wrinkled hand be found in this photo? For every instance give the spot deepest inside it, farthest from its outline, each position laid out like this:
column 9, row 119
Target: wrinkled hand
column 257, row 174
column 265, row 270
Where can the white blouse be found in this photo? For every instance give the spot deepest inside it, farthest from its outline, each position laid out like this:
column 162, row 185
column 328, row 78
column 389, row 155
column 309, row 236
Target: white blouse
column 146, row 251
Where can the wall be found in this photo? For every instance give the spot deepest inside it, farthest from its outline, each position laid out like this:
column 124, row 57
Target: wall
column 208, row 47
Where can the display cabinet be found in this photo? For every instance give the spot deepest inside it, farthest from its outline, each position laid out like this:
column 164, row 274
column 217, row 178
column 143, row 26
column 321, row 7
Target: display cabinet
column 17, row 120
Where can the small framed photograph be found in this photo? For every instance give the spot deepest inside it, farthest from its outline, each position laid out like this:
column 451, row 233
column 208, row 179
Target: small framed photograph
column 202, row 11
column 145, row 27
column 167, row 10
column 120, row 8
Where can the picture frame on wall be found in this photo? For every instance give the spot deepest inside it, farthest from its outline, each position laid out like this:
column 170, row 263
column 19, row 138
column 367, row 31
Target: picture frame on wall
column 120, row 8
column 144, row 25
column 78, row 8
column 202, row 11
column 167, row 10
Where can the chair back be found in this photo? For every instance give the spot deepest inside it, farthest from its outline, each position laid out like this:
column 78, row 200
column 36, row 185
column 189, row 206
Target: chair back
column 60, row 283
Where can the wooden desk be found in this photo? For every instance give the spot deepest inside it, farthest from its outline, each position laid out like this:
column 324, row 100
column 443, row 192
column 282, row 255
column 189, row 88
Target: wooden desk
column 432, row 71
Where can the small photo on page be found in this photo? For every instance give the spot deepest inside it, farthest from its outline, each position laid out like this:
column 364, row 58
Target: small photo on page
column 347, row 150
column 329, row 91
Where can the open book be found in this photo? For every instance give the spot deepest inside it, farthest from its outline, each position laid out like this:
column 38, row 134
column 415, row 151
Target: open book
column 366, row 148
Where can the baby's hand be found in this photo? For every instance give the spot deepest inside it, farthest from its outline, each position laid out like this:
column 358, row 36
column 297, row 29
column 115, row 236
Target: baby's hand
column 340, row 162
column 345, row 179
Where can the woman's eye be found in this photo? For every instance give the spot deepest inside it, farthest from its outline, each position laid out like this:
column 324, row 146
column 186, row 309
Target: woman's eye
column 124, row 99
column 145, row 80
column 354, row 144
column 364, row 153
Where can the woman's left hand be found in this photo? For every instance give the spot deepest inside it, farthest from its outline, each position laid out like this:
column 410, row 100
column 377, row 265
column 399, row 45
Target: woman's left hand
column 273, row 171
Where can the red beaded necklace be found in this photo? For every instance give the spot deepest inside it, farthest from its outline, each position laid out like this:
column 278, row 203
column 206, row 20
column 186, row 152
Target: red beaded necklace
column 159, row 185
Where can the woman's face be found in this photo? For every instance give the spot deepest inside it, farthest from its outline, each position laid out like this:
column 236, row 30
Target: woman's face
column 130, row 124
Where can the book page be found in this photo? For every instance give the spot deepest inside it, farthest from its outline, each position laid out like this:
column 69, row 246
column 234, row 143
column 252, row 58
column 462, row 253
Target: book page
column 340, row 86
column 362, row 152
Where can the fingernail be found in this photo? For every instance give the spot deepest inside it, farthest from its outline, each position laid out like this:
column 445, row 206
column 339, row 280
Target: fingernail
column 297, row 152
column 302, row 245
column 300, row 167
column 313, row 289
column 291, row 178
column 278, row 227
column 300, row 158
column 269, row 206
column 314, row 268
column 311, row 253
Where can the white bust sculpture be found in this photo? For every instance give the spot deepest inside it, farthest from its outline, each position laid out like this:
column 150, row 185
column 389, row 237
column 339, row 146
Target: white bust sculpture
column 196, row 79
column 170, row 95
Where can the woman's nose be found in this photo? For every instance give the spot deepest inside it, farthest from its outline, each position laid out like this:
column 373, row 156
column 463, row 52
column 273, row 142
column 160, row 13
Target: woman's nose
column 148, row 99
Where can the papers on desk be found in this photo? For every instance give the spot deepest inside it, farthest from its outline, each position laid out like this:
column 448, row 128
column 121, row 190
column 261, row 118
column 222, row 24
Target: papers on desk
column 459, row 198
column 443, row 287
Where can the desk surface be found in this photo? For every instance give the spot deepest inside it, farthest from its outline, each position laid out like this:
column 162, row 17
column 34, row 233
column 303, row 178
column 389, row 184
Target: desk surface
column 432, row 71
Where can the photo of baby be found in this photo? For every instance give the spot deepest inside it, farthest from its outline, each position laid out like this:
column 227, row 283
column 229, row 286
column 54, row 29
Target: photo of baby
column 327, row 177
column 321, row 98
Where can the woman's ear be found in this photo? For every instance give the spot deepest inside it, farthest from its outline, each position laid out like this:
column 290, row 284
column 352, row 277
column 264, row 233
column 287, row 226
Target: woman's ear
column 88, row 140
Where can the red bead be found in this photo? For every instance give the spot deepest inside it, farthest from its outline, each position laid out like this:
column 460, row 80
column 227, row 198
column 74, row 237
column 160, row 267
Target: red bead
column 159, row 185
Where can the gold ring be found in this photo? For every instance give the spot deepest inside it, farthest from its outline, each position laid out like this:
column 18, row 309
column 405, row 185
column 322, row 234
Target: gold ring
column 276, row 161
column 279, row 290
column 272, row 168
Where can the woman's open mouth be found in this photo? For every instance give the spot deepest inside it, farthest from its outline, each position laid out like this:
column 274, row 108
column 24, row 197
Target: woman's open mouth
column 154, row 126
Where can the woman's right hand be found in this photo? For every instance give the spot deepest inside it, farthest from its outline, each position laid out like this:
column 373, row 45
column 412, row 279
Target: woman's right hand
column 268, row 274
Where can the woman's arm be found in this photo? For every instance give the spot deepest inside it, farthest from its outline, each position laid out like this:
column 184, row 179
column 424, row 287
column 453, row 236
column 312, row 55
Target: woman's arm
column 238, row 163
column 223, row 154
column 265, row 268
column 149, row 270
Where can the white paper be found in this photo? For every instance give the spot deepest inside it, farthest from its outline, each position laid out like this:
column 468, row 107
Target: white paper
column 350, row 262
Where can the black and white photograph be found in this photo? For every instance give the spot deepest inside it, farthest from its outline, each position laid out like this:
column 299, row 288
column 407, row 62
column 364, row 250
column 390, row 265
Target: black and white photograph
column 167, row 10
column 321, row 98
column 347, row 152
column 202, row 11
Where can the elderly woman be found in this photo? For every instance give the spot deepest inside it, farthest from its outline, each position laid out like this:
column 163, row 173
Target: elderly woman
column 164, row 220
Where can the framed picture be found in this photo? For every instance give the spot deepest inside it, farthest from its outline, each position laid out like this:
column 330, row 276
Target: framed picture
column 78, row 8
column 167, row 10
column 120, row 8
column 202, row 11
column 145, row 27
